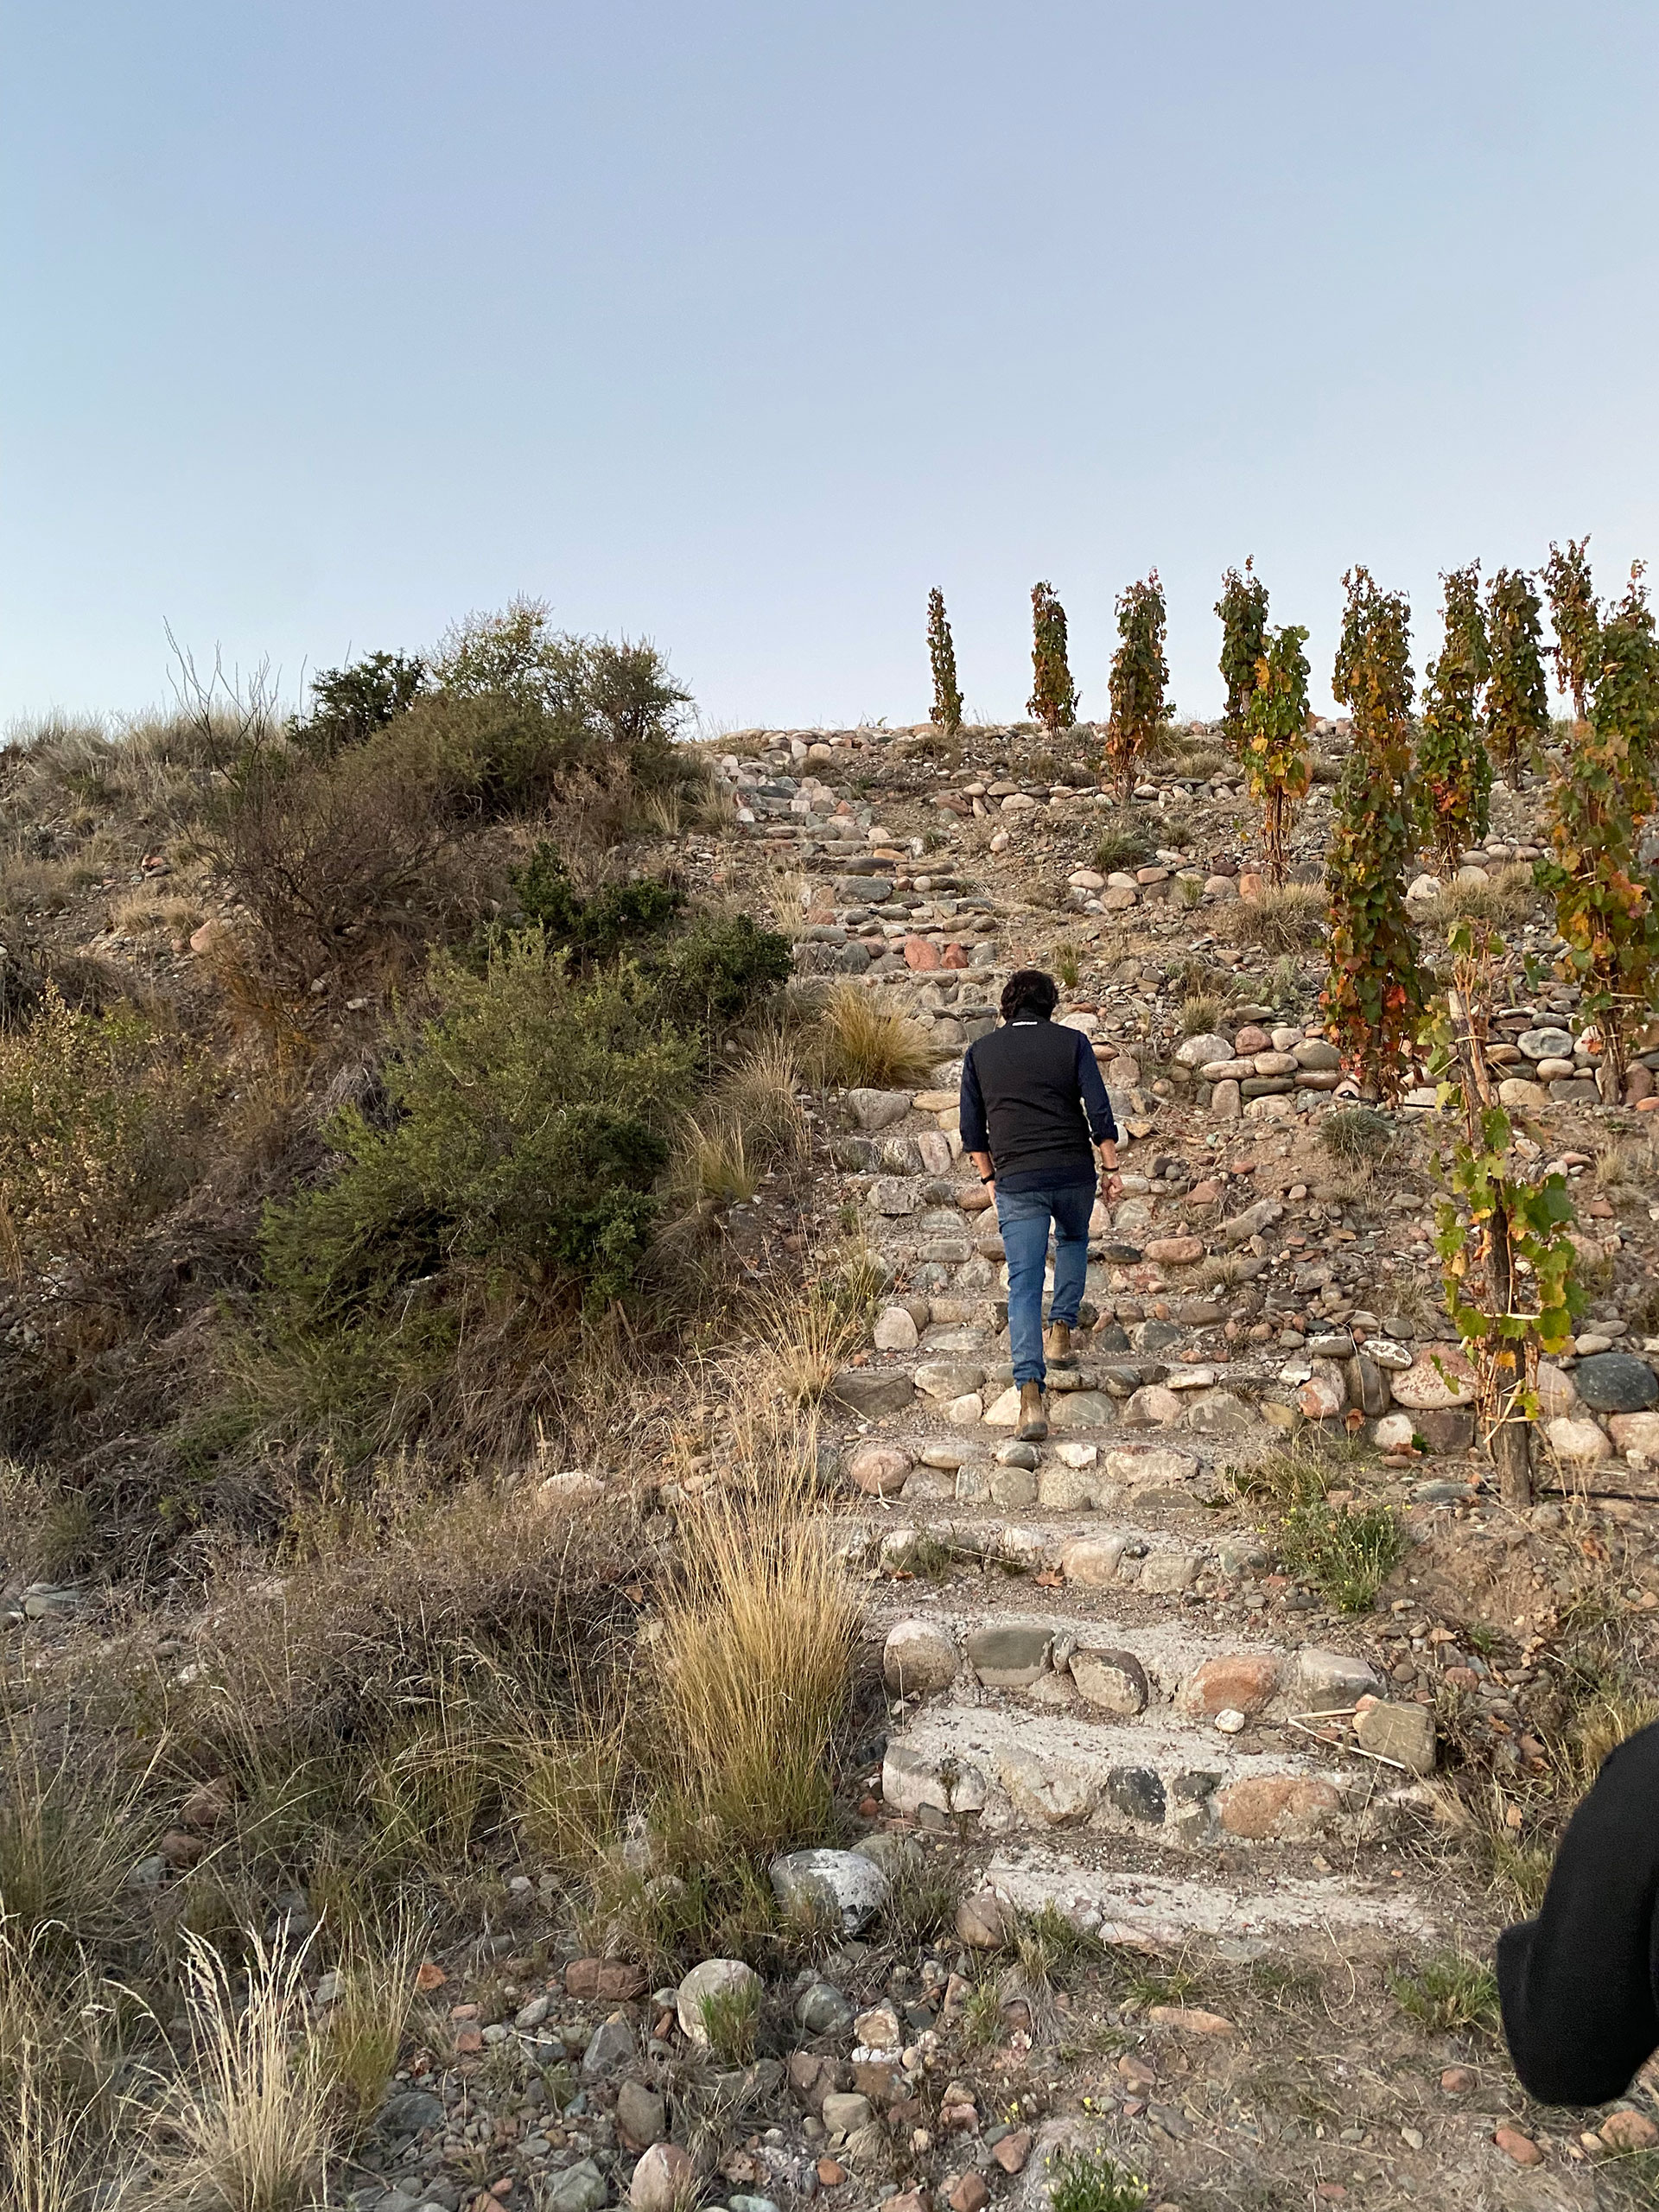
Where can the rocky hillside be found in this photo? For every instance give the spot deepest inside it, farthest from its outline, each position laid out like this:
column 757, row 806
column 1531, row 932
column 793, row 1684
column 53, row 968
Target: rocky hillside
column 1185, row 1763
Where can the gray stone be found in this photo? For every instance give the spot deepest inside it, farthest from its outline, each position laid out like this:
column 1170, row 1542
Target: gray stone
column 900, row 1155
column 1138, row 1793
column 1009, row 1655
column 610, row 2047
column 1167, row 1573
column 878, row 1110
column 911, row 1782
column 1546, row 1044
column 641, row 2114
column 841, row 1883
column 845, row 2112
column 1017, row 1455
column 1116, row 1681
column 1199, row 1051
column 869, row 1394
column 1013, row 1489
column 1080, row 1409
column 1616, row 1382
column 822, row 2009
column 895, row 1195
column 408, row 2112
column 948, row 1378
column 580, row 2188
column 1327, row 1681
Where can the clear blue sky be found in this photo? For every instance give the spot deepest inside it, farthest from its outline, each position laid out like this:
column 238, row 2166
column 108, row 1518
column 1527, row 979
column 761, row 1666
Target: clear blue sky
column 740, row 325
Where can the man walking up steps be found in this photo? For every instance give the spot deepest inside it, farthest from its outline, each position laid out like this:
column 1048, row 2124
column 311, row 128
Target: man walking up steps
column 1033, row 1110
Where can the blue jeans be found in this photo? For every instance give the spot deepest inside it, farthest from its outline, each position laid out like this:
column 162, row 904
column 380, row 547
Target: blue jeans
column 1023, row 1217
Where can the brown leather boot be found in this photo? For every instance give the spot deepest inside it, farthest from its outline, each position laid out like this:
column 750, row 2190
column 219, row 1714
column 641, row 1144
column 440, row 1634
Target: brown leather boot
column 1033, row 1421
column 1056, row 1345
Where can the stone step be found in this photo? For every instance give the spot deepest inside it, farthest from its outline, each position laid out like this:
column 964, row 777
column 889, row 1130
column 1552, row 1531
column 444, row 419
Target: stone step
column 1162, row 1912
column 1095, row 1556
column 1072, row 1658
column 999, row 1769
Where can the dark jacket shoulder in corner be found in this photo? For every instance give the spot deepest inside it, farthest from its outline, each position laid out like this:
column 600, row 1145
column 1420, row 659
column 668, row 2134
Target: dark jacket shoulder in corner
column 1578, row 1983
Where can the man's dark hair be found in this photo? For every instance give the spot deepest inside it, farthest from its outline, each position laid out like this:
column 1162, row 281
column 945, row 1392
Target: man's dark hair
column 1029, row 991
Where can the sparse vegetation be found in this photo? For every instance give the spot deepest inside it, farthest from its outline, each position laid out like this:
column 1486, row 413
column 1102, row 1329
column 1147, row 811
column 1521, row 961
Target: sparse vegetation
column 1274, row 746
column 1243, row 609
column 1294, row 918
column 1454, row 770
column 942, row 653
column 1449, row 1994
column 1093, row 2181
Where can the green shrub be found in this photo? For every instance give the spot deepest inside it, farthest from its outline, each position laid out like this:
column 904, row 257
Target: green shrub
column 1356, row 1133
column 1449, row 1992
column 529, row 1122
column 350, row 704
column 593, row 929
column 713, row 971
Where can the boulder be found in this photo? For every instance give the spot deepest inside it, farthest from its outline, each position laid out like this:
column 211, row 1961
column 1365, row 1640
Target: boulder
column 918, row 1657
column 1240, row 1682
column 895, row 1331
column 842, row 1885
column 878, row 1110
column 1279, row 1807
column 1113, row 1681
column 869, row 1394
column 1009, row 1655
column 663, row 2181
column 1581, row 1443
column 1402, row 1732
column 1438, row 1376
column 1616, row 1382
column 1323, row 1681
column 879, row 1470
column 1198, row 1052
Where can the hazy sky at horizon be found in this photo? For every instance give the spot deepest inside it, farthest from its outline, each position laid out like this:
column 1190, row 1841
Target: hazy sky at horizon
column 741, row 325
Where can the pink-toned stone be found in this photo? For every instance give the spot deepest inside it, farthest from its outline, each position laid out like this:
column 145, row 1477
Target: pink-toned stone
column 1242, row 1681
column 1250, row 1040
column 920, row 955
column 1175, row 1251
column 954, row 956
column 1013, row 2150
column 1284, row 1807
column 1438, row 1378
column 1322, row 1397
column 1626, row 2130
column 1190, row 2020
column 879, row 1469
column 1522, row 2148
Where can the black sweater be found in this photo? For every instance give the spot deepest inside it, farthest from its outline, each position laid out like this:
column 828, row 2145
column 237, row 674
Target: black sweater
column 1579, row 1983
column 1032, row 1097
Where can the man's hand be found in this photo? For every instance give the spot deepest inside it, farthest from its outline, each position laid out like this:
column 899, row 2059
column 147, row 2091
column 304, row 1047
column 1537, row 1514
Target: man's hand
column 1114, row 1181
column 983, row 1162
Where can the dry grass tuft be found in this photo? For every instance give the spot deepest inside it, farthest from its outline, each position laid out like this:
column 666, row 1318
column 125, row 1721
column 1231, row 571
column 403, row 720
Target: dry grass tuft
column 59, row 2146
column 810, row 1334
column 756, row 1652
column 1290, row 919
column 252, row 2121
column 366, row 2023
column 863, row 1044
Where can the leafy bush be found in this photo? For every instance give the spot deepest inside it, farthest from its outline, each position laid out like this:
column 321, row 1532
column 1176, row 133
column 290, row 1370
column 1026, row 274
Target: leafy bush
column 1139, row 675
column 1242, row 607
column 97, row 1116
column 1455, row 769
column 1274, row 743
column 526, row 705
column 350, row 704
column 1374, row 989
column 942, row 653
column 593, row 929
column 1053, row 701
column 527, row 1129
